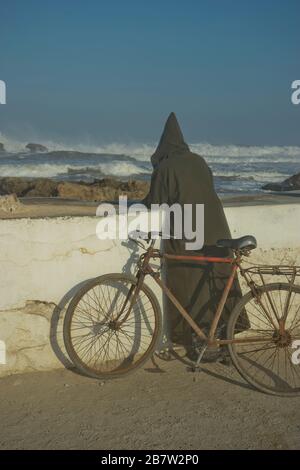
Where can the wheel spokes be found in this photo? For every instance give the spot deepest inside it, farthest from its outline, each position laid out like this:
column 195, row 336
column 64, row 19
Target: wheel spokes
column 104, row 344
column 264, row 351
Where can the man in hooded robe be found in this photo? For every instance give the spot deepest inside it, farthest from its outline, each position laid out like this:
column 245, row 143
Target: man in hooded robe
column 183, row 177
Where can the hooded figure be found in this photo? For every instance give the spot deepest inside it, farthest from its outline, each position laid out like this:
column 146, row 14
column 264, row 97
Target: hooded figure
column 183, row 177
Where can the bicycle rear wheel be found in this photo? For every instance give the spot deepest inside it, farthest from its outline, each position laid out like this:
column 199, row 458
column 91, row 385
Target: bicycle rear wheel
column 266, row 358
column 101, row 339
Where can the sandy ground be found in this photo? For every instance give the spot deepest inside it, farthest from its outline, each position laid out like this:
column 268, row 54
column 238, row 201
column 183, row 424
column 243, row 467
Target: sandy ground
column 159, row 407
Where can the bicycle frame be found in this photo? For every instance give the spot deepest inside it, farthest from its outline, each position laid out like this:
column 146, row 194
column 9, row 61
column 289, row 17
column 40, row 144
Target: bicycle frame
column 266, row 314
column 211, row 336
column 145, row 269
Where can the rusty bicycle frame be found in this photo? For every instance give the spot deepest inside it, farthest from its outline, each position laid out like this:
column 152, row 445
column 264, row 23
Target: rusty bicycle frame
column 144, row 269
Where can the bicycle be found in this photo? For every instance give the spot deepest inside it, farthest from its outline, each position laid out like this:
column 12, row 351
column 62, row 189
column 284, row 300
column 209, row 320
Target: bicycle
column 113, row 324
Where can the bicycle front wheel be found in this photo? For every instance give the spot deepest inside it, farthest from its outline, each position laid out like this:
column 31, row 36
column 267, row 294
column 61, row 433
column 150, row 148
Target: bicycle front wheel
column 264, row 353
column 103, row 336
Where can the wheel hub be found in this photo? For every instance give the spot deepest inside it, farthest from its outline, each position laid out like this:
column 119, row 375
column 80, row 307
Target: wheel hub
column 114, row 325
column 282, row 340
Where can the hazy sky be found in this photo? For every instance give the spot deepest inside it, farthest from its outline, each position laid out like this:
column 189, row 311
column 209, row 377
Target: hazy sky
column 113, row 70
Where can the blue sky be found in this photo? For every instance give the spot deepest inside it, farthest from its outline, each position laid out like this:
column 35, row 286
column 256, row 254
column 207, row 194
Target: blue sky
column 113, row 70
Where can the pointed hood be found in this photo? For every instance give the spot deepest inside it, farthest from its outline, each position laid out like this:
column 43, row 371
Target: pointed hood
column 171, row 142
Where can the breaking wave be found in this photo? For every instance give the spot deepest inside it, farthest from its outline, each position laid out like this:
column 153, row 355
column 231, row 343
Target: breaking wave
column 144, row 150
column 47, row 170
column 236, row 168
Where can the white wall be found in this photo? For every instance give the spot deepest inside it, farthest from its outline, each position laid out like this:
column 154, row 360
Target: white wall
column 44, row 260
column 274, row 226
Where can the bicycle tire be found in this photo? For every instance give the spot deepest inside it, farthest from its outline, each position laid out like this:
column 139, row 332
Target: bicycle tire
column 277, row 385
column 67, row 328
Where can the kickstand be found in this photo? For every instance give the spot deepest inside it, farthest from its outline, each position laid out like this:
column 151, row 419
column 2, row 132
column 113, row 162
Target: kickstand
column 196, row 366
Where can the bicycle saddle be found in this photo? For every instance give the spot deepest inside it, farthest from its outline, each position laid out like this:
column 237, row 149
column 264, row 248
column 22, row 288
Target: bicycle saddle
column 247, row 242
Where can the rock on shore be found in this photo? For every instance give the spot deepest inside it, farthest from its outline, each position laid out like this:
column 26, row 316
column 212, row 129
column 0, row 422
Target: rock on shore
column 39, row 187
column 2, row 148
column 36, row 147
column 290, row 184
column 107, row 189
column 10, row 203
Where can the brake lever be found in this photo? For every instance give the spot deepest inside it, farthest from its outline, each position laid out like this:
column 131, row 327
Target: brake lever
column 137, row 242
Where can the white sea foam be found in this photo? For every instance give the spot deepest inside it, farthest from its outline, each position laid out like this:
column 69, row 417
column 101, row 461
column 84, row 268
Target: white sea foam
column 137, row 150
column 254, row 175
column 120, row 169
column 234, row 151
column 47, row 170
column 142, row 151
column 236, row 167
column 33, row 171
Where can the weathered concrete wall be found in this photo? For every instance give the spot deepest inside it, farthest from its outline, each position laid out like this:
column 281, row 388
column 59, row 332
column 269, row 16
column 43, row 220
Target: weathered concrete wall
column 276, row 228
column 44, row 261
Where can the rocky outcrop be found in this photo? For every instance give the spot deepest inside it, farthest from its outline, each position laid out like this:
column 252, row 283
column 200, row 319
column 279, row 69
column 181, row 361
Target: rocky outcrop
column 103, row 190
column 39, row 187
column 2, row 148
column 290, row 184
column 36, row 147
column 106, row 189
column 42, row 187
column 10, row 203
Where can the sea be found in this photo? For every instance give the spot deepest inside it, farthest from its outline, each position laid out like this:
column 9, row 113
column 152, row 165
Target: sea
column 237, row 169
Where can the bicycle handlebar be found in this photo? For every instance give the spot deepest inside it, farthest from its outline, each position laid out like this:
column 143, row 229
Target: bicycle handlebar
column 148, row 237
column 144, row 235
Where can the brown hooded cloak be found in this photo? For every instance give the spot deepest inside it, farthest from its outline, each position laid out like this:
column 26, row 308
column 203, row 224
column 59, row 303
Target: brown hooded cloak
column 183, row 177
